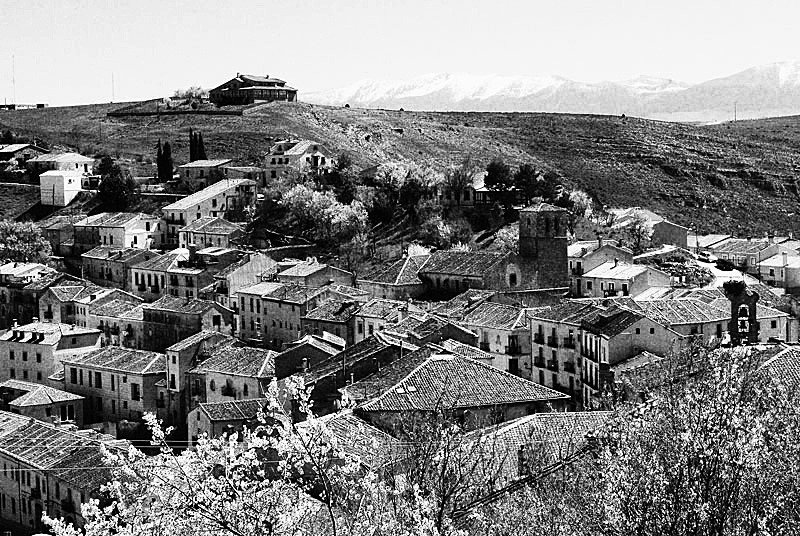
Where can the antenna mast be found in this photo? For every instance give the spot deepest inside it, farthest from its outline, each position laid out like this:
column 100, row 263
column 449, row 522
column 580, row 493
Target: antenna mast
column 13, row 79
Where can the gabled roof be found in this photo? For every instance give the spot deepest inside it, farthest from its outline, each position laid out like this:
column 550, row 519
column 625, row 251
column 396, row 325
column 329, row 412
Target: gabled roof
column 585, row 247
column 111, row 219
column 262, row 289
column 162, row 263
column 543, row 207
column 315, row 342
column 121, row 359
column 460, row 305
column 76, row 290
column 360, row 440
column 207, row 193
column 496, row 316
column 704, row 241
column 618, row 270
column 640, row 360
column 118, row 308
column 401, row 272
column 211, row 225
column 465, row 350
column 117, row 254
column 462, row 263
column 423, row 325
column 14, row 147
column 356, row 353
column 382, row 308
column 63, row 157
column 741, row 246
column 198, row 338
column 36, row 394
column 234, row 410
column 447, row 381
column 333, row 310
column 229, row 358
column 294, row 293
column 784, row 366
column 568, row 312
column 682, row 311
column 175, row 304
column 611, row 322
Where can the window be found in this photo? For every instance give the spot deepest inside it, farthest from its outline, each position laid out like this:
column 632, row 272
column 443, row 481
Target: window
column 773, row 324
column 11, row 354
column 652, row 331
column 80, row 376
column 772, row 272
column 360, row 328
column 588, row 285
column 25, row 374
column 39, row 375
column 172, row 381
column 113, row 383
column 12, row 373
column 24, row 356
column 73, row 375
column 246, row 390
column 512, row 280
column 135, row 393
column 638, row 331
column 38, row 357
column 98, row 380
column 113, row 406
column 213, row 385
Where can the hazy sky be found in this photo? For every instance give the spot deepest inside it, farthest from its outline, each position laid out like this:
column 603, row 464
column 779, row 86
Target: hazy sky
column 66, row 50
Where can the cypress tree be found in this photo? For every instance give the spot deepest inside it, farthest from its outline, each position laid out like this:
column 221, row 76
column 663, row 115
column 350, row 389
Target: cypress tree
column 167, row 159
column 159, row 160
column 201, row 149
column 192, row 146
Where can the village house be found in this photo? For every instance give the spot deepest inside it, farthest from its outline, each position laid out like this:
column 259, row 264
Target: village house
column 297, row 156
column 59, row 188
column 502, row 331
column 117, row 383
column 149, row 278
column 22, row 284
column 423, row 328
column 617, row 278
column 782, row 270
column 476, row 394
column 704, row 244
column 247, row 271
column 209, row 231
column 249, row 89
column 60, row 162
column 121, row 229
column 110, row 266
column 60, row 232
column 38, row 480
column 311, row 273
column 397, row 281
column 186, row 278
column 33, row 352
column 19, row 153
column 253, row 173
column 746, row 253
column 213, row 419
column 333, row 315
column 120, row 320
column 585, row 256
column 203, row 172
column 475, row 194
column 304, row 354
column 170, row 319
column 183, row 356
column 230, row 371
column 41, row 402
column 270, row 313
column 378, row 313
column 451, row 272
column 70, row 303
column 662, row 231
column 227, row 199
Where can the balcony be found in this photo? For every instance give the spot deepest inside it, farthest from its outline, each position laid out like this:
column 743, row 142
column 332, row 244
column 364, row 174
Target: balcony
column 485, row 346
column 538, row 338
column 569, row 366
column 552, row 364
column 568, row 343
column 513, row 350
column 539, row 362
column 67, row 505
column 228, row 390
column 552, row 342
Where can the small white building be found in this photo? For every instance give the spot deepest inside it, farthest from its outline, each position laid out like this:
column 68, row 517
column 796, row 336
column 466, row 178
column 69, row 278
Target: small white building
column 59, row 188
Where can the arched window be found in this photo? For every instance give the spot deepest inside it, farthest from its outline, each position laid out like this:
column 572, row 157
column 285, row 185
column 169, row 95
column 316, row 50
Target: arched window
column 512, row 279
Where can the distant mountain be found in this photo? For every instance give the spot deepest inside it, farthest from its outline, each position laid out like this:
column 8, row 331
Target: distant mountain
column 764, row 91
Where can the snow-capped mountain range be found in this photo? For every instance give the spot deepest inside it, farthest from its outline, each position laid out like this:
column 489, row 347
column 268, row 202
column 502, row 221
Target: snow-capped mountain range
column 763, row 91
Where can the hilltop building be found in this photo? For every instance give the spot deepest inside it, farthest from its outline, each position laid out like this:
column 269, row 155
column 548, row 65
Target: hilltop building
column 286, row 156
column 249, row 89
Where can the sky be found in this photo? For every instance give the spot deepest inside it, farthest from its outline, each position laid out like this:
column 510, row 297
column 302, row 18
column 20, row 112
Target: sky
column 67, row 51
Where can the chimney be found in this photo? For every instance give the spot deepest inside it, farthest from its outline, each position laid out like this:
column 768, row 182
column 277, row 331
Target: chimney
column 192, row 253
column 16, row 324
column 791, row 235
column 785, row 256
column 599, row 241
column 35, row 319
column 616, row 262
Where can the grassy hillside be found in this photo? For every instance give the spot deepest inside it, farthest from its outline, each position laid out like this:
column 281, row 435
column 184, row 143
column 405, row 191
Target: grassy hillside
column 732, row 177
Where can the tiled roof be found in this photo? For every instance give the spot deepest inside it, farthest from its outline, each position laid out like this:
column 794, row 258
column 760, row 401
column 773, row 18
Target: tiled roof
column 642, row 359
column 612, row 321
column 36, row 394
column 177, row 304
column 462, row 263
column 207, row 193
column 741, row 246
column 75, row 290
column 785, row 366
column 376, row 384
column 356, row 353
column 115, row 253
column 234, row 410
column 63, row 157
column 682, row 311
column 776, row 261
column 423, row 325
column 360, row 440
column 110, row 219
column 121, row 359
column 117, row 308
column 705, row 241
column 448, row 381
column 19, row 269
column 295, row 293
column 382, row 308
column 70, row 455
column 333, row 310
column 52, row 332
column 617, row 270
column 162, row 263
column 348, row 291
column 47, row 280
column 459, row 305
column 465, row 350
column 401, row 272
column 14, row 147
column 205, row 163
column 262, row 289
column 316, row 342
column 582, row 248
column 496, row 316
column 762, row 311
column 303, row 269
column 212, row 225
column 568, row 312
column 258, row 79
column 197, row 338
column 228, row 358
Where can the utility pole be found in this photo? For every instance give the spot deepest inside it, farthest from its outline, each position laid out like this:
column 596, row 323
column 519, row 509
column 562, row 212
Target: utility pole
column 13, row 79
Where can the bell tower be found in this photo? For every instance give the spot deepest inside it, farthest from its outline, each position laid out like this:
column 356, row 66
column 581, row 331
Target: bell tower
column 543, row 242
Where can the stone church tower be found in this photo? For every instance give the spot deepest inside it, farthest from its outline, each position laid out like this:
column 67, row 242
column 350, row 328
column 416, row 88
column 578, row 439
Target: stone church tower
column 543, row 243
